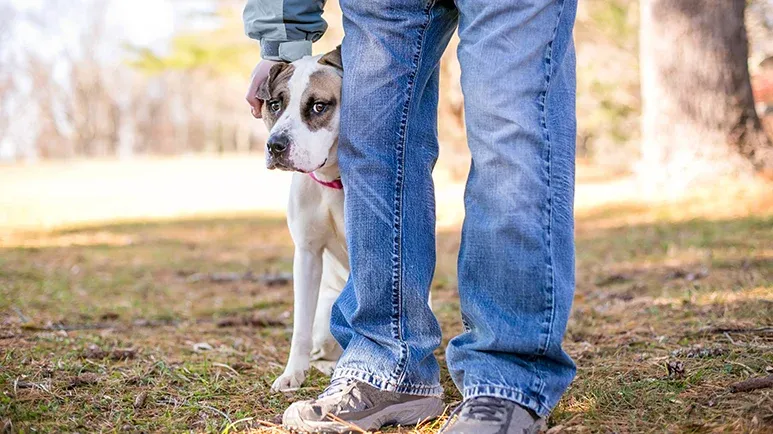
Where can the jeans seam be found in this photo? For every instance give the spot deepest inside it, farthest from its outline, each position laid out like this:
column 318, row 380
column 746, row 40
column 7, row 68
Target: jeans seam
column 549, row 205
column 544, row 346
column 397, row 257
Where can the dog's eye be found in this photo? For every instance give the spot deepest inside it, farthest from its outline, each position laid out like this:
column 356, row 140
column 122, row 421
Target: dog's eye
column 275, row 106
column 319, row 107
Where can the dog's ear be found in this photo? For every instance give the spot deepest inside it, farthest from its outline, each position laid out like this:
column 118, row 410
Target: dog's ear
column 333, row 59
column 264, row 91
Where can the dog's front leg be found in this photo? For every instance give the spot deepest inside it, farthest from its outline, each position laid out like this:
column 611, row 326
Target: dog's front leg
column 307, row 273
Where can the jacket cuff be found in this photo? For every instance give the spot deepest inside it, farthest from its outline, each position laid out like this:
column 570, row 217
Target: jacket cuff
column 286, row 51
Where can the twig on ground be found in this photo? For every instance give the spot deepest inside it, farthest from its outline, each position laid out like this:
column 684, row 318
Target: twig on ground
column 432, row 424
column 223, row 365
column 27, row 385
column 22, row 317
column 68, row 327
column 746, row 344
column 228, row 418
column 270, row 426
column 752, row 384
column 271, row 279
column 727, row 335
column 234, row 423
column 253, row 320
column 98, row 326
column 718, row 330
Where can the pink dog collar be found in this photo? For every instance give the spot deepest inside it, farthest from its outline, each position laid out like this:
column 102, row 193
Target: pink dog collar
column 336, row 184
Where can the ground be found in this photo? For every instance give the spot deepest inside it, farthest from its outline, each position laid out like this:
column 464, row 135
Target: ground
column 182, row 324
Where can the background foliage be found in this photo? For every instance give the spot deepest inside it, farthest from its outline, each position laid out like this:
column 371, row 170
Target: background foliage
column 188, row 97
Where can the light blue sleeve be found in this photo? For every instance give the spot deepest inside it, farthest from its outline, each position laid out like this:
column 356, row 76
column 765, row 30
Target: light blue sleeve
column 285, row 28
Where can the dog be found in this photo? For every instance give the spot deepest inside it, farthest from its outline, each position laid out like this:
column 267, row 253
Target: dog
column 301, row 110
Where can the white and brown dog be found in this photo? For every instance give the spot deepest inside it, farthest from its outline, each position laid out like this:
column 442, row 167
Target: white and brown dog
column 301, row 110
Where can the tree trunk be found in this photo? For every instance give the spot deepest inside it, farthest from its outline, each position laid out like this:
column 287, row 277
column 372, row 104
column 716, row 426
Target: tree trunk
column 699, row 120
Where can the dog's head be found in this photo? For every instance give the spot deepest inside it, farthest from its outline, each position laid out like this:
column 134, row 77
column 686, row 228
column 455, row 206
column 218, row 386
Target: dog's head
column 301, row 110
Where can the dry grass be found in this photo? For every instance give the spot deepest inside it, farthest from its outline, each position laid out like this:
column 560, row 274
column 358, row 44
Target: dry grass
column 102, row 328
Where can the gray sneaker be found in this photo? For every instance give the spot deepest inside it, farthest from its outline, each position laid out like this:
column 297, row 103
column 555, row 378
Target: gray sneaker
column 351, row 406
column 490, row 415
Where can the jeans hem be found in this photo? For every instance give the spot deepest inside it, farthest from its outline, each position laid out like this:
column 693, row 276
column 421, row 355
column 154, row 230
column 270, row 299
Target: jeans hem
column 509, row 393
column 383, row 383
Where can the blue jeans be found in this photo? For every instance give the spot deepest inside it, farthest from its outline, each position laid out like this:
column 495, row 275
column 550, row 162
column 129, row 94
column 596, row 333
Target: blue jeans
column 516, row 262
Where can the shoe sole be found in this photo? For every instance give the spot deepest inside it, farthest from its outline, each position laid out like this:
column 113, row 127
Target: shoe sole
column 404, row 414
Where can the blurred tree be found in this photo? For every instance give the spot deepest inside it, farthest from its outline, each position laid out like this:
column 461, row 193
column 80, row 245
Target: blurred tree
column 201, row 72
column 7, row 16
column 699, row 120
column 608, row 93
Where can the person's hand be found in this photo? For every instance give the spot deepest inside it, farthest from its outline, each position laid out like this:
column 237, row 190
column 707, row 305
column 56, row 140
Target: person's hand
column 259, row 75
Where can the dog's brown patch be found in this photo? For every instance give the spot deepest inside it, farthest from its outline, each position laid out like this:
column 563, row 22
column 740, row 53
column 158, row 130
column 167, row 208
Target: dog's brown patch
column 333, row 58
column 276, row 88
column 325, row 87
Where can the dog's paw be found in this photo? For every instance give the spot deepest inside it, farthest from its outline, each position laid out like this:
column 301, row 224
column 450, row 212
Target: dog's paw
column 324, row 366
column 288, row 381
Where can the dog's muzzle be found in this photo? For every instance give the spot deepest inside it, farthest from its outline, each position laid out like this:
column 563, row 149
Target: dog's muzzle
column 277, row 145
column 277, row 150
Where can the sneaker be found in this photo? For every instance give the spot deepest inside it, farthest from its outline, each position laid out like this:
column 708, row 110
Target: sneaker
column 353, row 406
column 490, row 415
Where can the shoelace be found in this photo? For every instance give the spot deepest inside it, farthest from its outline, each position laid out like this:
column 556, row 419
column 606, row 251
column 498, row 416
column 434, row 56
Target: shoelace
column 487, row 409
column 483, row 408
column 336, row 386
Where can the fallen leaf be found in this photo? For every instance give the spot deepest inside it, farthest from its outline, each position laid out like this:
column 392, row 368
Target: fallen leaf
column 8, row 334
column 278, row 279
column 202, row 346
column 109, row 316
column 139, row 401
column 613, row 279
column 94, row 352
column 83, row 380
column 240, row 366
column 123, row 353
column 253, row 321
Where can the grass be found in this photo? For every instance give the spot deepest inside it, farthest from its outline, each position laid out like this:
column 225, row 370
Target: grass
column 103, row 329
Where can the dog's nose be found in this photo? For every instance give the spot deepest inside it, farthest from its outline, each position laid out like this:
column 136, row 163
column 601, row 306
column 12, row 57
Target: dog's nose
column 277, row 144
